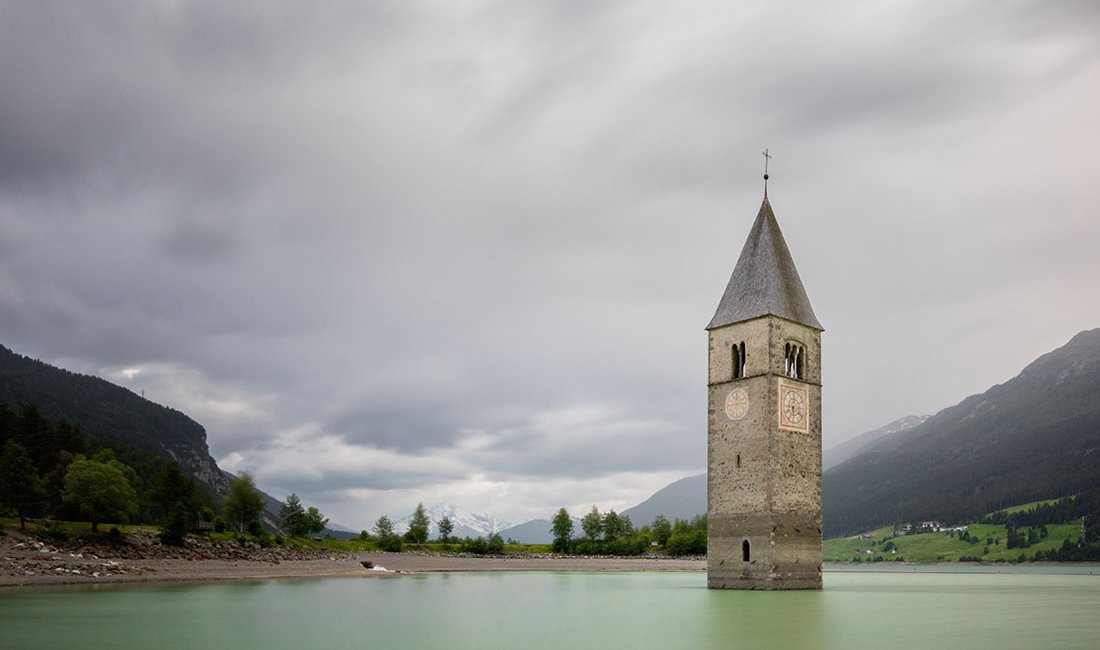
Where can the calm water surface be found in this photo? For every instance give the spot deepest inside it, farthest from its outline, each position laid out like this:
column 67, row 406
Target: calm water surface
column 566, row 610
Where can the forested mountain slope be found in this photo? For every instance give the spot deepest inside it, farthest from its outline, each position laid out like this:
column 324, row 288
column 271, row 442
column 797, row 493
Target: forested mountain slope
column 1036, row 436
column 110, row 414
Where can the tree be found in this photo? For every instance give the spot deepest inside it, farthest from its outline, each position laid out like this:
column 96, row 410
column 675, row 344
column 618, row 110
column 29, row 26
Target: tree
column 383, row 527
column 243, row 503
column 662, row 530
column 418, row 526
column 174, row 531
column 562, row 528
column 446, row 527
column 688, row 538
column 292, row 516
column 315, row 521
column 615, row 527
column 592, row 524
column 299, row 521
column 99, row 491
column 170, row 486
column 107, row 457
column 388, row 540
column 20, row 488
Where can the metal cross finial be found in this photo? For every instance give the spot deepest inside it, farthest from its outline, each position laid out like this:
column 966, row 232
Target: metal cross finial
column 767, row 157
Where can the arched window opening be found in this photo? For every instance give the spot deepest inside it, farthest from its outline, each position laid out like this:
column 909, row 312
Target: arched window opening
column 745, row 551
column 794, row 362
column 739, row 460
column 739, row 360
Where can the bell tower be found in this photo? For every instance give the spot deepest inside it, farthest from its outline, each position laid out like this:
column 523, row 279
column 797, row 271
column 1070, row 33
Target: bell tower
column 764, row 423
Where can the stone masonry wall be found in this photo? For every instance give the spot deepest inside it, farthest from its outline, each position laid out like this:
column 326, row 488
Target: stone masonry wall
column 764, row 482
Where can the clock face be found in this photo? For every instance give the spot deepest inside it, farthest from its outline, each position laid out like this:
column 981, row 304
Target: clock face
column 737, row 404
column 794, row 406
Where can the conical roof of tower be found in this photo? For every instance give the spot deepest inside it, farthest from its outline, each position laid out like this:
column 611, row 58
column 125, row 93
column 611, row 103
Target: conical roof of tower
column 765, row 280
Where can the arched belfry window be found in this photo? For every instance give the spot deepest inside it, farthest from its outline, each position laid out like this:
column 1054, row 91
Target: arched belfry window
column 794, row 362
column 738, row 358
column 745, row 551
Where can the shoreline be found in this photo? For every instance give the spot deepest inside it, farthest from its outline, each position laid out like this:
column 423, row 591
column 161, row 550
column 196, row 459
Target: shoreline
column 387, row 565
column 27, row 563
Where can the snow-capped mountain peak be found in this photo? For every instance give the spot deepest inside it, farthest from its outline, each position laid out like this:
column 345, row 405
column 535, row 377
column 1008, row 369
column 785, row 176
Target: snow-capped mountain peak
column 466, row 524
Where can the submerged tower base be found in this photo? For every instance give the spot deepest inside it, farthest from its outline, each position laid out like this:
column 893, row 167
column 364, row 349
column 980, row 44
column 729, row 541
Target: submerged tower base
column 763, row 551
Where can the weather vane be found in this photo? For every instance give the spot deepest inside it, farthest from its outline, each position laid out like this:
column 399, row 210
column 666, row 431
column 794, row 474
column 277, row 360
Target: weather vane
column 767, row 157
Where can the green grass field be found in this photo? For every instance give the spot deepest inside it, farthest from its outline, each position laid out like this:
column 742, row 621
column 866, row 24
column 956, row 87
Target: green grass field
column 942, row 546
column 1028, row 506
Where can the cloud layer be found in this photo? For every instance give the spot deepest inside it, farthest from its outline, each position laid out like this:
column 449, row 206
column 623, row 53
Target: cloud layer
column 464, row 251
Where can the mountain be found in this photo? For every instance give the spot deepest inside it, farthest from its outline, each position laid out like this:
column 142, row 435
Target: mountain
column 683, row 499
column 854, row 446
column 466, row 524
column 117, row 417
column 1033, row 437
column 687, row 497
column 536, row 531
column 110, row 414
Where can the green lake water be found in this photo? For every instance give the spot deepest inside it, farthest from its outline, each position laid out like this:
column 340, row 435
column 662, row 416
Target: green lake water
column 565, row 611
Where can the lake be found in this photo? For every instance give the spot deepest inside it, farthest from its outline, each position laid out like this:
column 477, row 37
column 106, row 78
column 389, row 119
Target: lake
column 896, row 610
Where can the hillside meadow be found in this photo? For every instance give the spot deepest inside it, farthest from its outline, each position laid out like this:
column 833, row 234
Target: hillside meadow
column 986, row 543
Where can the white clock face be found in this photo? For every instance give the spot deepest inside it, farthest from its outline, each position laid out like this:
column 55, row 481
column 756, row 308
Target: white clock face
column 737, row 404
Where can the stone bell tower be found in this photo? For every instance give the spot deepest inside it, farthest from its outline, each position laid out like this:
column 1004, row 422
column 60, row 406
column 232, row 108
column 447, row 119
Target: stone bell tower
column 764, row 423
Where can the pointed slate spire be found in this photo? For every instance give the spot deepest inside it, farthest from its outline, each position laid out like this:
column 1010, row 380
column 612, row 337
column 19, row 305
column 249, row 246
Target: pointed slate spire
column 765, row 280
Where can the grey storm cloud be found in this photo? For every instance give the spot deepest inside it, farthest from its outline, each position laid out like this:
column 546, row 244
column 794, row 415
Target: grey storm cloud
column 389, row 251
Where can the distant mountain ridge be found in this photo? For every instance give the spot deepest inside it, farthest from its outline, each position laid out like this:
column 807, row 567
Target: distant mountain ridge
column 854, row 446
column 683, row 499
column 1033, row 437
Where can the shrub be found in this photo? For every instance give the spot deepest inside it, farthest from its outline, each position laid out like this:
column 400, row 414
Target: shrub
column 56, row 533
column 481, row 546
column 687, row 543
column 390, row 543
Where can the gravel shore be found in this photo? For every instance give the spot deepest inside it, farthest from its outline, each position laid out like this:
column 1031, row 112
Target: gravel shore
column 26, row 562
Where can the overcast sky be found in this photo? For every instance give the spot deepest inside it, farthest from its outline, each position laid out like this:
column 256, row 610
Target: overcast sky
column 465, row 251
